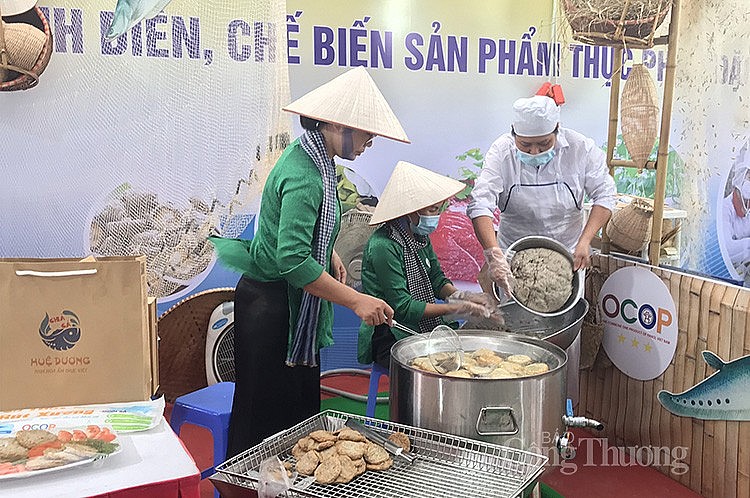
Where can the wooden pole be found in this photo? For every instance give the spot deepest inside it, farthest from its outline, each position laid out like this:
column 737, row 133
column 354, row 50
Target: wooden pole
column 662, row 156
column 614, row 111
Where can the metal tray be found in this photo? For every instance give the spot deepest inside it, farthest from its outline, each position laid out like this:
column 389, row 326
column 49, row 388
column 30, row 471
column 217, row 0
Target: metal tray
column 446, row 465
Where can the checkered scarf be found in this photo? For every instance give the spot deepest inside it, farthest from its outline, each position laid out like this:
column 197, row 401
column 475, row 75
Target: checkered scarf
column 304, row 342
column 417, row 280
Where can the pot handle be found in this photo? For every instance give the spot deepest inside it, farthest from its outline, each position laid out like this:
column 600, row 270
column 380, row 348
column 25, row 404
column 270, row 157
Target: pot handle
column 496, row 421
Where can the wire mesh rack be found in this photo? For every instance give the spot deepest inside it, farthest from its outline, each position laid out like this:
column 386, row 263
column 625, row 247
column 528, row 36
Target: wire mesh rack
column 446, row 465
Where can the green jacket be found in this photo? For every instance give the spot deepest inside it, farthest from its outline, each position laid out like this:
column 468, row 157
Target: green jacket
column 384, row 276
column 282, row 246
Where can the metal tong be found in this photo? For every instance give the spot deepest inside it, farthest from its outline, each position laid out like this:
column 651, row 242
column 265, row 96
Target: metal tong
column 378, row 438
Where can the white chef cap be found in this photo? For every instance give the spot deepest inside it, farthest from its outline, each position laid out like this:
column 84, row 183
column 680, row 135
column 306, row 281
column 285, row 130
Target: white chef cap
column 741, row 165
column 535, row 116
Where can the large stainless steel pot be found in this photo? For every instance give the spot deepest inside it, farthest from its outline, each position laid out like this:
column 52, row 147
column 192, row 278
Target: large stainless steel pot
column 524, row 413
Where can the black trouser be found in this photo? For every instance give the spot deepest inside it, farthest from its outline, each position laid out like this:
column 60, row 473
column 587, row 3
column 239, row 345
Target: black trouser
column 268, row 395
column 382, row 340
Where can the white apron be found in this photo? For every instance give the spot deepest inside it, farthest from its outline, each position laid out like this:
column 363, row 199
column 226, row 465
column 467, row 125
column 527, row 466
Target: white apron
column 549, row 209
column 552, row 210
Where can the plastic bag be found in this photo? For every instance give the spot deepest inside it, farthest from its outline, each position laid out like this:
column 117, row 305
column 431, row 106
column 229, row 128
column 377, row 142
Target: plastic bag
column 274, row 478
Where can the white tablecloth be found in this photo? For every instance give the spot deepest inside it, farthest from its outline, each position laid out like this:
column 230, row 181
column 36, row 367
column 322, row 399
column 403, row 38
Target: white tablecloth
column 147, row 459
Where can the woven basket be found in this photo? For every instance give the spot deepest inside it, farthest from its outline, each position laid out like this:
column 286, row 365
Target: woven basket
column 182, row 342
column 639, row 114
column 608, row 22
column 23, row 41
column 630, row 227
column 592, row 330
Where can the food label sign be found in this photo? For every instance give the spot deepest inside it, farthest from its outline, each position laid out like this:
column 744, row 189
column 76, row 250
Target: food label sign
column 640, row 322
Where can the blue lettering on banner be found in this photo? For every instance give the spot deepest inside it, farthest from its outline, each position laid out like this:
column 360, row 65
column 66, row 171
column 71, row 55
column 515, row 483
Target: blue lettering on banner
column 262, row 42
column 292, row 27
column 520, row 57
column 62, row 30
column 449, row 54
column 152, row 34
column 348, row 47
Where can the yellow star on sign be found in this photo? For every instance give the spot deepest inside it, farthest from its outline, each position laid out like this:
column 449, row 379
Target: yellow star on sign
column 635, row 343
column 620, row 338
column 647, row 347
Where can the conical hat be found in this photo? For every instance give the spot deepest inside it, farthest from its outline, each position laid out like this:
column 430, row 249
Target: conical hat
column 15, row 7
column 410, row 189
column 353, row 100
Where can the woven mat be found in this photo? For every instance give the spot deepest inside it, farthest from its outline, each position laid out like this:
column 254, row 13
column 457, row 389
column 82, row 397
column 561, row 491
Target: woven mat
column 182, row 342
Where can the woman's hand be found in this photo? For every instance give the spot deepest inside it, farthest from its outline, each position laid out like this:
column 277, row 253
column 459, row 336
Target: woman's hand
column 338, row 268
column 372, row 311
column 481, row 298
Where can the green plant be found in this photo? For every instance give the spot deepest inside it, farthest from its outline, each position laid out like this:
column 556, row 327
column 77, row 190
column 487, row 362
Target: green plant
column 470, row 172
column 643, row 184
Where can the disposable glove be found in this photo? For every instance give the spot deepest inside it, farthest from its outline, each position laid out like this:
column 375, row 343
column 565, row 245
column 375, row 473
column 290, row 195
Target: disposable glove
column 481, row 298
column 499, row 268
column 467, row 308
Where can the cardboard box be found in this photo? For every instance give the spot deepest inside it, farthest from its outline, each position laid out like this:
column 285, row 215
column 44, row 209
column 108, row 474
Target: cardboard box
column 76, row 332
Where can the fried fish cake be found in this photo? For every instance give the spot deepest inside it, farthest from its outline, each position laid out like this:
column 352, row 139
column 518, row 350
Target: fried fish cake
column 34, row 437
column 297, row 451
column 328, row 453
column 536, row 368
column 401, row 439
column 347, row 434
column 308, row 463
column 384, row 465
column 328, row 471
column 348, row 470
column 520, row 359
column 375, row 454
column 351, row 449
column 321, row 436
column 10, row 450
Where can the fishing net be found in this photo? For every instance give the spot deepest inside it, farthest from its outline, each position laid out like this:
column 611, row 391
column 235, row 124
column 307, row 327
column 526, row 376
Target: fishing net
column 158, row 138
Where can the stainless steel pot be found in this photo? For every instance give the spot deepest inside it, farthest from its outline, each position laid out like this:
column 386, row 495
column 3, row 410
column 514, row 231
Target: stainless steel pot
column 524, row 413
column 560, row 330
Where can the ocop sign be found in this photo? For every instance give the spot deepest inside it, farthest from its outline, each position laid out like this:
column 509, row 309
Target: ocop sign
column 640, row 322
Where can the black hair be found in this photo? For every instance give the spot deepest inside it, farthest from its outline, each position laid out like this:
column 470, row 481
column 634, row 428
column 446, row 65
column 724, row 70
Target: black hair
column 309, row 124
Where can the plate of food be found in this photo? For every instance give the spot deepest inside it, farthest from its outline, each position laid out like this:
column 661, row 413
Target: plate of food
column 31, row 452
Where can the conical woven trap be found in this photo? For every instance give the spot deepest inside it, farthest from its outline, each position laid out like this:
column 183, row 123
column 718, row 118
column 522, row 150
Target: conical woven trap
column 182, row 342
column 639, row 112
column 630, row 226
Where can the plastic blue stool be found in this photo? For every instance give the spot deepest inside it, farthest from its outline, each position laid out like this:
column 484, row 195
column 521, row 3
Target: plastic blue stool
column 372, row 392
column 209, row 407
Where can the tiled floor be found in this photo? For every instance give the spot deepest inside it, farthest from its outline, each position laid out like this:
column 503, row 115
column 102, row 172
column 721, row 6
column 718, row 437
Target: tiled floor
column 598, row 469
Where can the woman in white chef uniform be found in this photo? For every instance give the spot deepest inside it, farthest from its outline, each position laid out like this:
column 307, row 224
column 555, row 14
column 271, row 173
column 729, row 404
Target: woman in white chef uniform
column 736, row 216
column 538, row 176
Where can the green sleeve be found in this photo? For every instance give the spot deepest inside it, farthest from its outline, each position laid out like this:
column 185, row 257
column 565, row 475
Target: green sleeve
column 386, row 260
column 301, row 197
column 437, row 277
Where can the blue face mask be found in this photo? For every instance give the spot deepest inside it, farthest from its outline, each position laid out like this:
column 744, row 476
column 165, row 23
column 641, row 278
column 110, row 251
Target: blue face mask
column 535, row 159
column 426, row 225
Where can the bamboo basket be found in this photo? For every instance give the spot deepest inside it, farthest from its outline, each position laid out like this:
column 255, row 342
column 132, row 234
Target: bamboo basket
column 614, row 22
column 630, row 227
column 25, row 51
column 639, row 114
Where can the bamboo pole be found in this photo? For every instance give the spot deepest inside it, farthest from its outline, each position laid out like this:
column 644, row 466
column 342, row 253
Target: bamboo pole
column 614, row 111
column 630, row 164
column 663, row 151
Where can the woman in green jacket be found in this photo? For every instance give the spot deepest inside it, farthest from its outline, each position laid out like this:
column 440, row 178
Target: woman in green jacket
column 291, row 275
column 399, row 264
